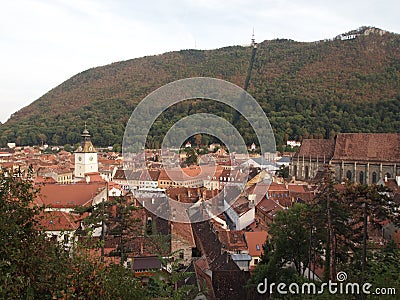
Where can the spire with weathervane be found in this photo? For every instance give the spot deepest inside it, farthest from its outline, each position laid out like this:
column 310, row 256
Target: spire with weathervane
column 86, row 144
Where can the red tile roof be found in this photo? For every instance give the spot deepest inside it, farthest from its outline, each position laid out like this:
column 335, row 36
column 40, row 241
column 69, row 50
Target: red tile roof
column 296, row 188
column 276, row 187
column 149, row 175
column 68, row 196
column 193, row 172
column 44, row 180
column 316, row 148
column 383, row 147
column 232, row 240
column 183, row 231
column 58, row 221
column 254, row 241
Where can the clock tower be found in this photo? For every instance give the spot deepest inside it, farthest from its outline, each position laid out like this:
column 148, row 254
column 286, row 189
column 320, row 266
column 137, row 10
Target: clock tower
column 85, row 157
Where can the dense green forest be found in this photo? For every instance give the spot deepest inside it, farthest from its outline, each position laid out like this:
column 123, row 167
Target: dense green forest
column 307, row 90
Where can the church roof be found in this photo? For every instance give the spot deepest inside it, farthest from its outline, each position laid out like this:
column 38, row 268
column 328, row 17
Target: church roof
column 383, row 147
column 86, row 145
column 316, row 148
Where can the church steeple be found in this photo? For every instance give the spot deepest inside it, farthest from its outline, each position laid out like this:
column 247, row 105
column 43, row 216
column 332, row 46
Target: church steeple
column 85, row 157
column 86, row 144
column 85, row 134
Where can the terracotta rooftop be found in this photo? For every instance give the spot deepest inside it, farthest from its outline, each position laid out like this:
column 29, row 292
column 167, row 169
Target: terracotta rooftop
column 44, row 180
column 183, row 231
column 316, row 148
column 93, row 177
column 268, row 207
column 119, row 174
column 58, row 221
column 368, row 147
column 184, row 194
column 206, row 240
column 149, row 175
column 241, row 205
column 254, row 241
column 146, row 263
column 232, row 240
column 193, row 172
column 68, row 196
column 296, row 188
column 276, row 187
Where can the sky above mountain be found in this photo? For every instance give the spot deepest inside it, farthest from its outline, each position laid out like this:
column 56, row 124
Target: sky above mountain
column 45, row 42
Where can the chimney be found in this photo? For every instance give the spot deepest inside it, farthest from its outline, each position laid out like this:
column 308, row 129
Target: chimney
column 251, row 198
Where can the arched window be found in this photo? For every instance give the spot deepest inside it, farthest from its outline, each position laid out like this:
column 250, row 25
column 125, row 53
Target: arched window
column 374, row 177
column 361, row 177
column 149, row 226
column 306, row 172
column 348, row 175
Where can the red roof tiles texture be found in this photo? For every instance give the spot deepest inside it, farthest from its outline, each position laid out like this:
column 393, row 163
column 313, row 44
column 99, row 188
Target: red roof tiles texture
column 68, row 196
column 383, row 147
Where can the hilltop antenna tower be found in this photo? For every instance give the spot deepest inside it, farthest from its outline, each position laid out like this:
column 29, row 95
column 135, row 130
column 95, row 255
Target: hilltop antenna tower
column 253, row 55
column 236, row 114
column 253, row 40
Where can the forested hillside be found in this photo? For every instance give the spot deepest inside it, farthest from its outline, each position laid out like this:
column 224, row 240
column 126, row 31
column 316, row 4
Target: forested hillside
column 306, row 89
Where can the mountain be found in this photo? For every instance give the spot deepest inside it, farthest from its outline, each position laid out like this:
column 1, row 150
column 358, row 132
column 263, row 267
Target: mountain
column 350, row 83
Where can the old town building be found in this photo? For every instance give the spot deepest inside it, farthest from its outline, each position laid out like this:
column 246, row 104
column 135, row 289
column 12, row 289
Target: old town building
column 360, row 157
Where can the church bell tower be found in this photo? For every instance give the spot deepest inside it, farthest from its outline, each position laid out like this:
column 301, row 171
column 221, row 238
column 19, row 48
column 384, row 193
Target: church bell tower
column 85, row 157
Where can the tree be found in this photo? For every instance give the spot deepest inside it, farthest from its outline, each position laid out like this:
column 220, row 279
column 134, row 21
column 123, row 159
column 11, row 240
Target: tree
column 123, row 224
column 369, row 203
column 31, row 266
column 290, row 237
column 191, row 157
column 42, row 137
column 34, row 267
column 331, row 216
column 284, row 172
column 113, row 217
column 169, row 283
column 67, row 147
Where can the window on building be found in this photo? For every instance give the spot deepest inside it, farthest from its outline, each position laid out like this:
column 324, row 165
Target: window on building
column 348, row 175
column 388, row 175
column 258, row 247
column 374, row 177
column 306, row 172
column 361, row 177
column 181, row 255
column 295, row 171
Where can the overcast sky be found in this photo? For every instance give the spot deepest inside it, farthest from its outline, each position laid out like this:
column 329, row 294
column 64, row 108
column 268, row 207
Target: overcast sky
column 45, row 42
